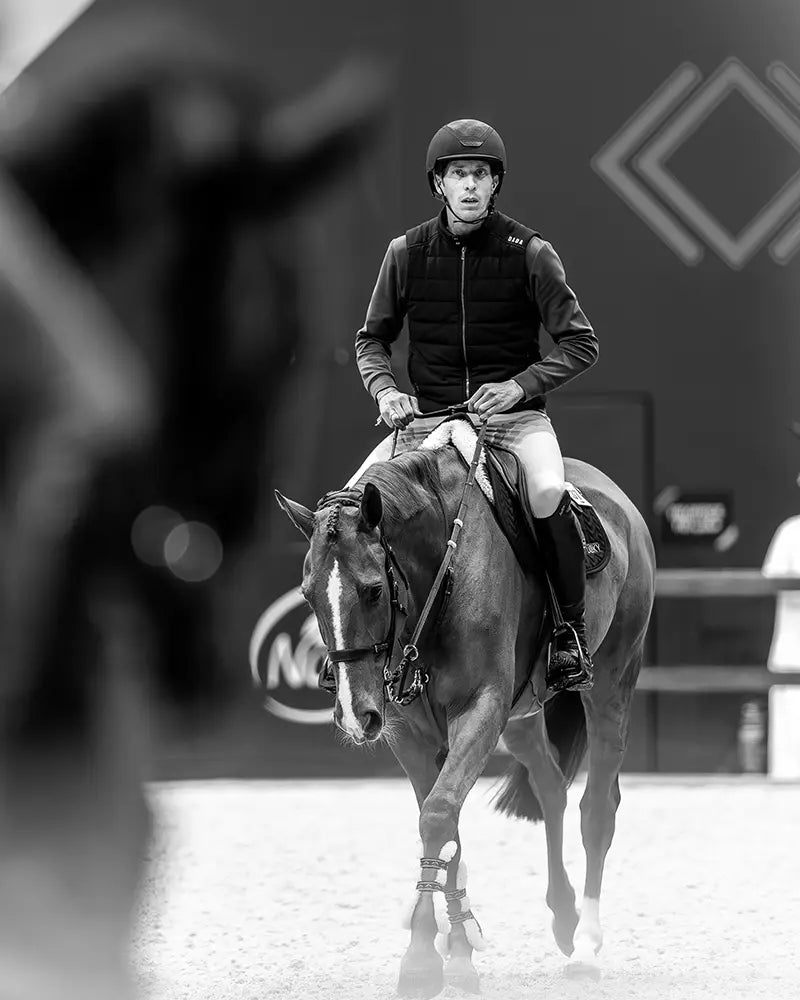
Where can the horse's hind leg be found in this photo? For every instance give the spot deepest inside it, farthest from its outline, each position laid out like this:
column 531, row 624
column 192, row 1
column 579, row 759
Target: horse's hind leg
column 607, row 716
column 527, row 740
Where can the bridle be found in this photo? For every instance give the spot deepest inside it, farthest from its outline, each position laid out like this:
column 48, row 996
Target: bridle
column 396, row 685
column 407, row 680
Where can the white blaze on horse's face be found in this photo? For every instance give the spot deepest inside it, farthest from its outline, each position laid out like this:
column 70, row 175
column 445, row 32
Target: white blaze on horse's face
column 334, row 591
column 344, row 695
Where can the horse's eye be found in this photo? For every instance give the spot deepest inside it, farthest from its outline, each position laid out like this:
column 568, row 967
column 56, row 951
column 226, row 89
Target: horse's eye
column 374, row 594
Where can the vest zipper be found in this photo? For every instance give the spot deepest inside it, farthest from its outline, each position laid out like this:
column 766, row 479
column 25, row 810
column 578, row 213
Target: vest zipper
column 464, row 319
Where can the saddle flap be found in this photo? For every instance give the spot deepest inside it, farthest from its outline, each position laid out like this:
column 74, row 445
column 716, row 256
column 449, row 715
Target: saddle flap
column 509, row 507
column 510, row 502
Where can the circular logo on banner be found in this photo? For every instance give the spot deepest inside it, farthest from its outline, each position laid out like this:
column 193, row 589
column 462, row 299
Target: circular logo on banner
column 286, row 641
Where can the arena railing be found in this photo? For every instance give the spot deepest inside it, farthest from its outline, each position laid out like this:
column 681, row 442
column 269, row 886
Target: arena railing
column 688, row 583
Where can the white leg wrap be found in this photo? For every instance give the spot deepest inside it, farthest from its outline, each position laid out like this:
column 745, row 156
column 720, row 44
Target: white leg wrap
column 440, row 913
column 472, row 930
column 448, row 852
column 439, row 903
column 588, row 934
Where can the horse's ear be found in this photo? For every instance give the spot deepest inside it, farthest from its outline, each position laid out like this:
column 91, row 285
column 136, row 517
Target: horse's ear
column 371, row 507
column 301, row 517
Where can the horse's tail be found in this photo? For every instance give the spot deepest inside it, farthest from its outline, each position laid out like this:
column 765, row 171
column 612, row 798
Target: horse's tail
column 565, row 722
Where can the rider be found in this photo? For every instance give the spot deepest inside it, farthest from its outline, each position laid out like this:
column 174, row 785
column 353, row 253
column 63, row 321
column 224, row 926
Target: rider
column 475, row 286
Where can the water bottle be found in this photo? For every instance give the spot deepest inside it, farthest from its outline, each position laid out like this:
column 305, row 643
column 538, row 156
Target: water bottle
column 752, row 739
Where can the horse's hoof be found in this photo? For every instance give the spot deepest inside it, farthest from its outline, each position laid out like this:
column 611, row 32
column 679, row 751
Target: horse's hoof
column 583, row 970
column 465, row 983
column 583, row 963
column 421, row 982
column 420, row 985
column 461, row 974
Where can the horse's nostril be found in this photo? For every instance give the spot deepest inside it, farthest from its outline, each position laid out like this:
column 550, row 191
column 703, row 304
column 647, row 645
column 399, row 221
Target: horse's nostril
column 372, row 724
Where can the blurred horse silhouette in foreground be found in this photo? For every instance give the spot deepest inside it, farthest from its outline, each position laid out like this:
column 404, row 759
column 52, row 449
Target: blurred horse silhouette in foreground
column 147, row 285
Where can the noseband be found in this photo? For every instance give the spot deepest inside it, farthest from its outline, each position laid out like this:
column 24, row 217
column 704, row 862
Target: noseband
column 396, row 684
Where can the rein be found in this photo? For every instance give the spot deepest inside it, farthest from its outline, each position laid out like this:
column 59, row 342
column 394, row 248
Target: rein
column 396, row 683
column 446, row 411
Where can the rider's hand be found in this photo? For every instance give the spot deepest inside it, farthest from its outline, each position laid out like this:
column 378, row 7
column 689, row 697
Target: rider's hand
column 495, row 397
column 397, row 408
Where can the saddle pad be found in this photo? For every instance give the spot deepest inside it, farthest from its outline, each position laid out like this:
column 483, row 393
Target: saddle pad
column 499, row 478
column 596, row 546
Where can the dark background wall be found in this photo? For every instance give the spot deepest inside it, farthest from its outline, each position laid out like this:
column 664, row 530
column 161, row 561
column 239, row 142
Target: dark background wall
column 714, row 347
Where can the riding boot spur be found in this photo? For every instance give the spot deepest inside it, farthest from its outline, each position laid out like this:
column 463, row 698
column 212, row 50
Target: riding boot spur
column 569, row 665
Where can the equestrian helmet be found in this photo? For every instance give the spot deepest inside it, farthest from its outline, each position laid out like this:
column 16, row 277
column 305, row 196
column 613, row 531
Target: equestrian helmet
column 466, row 139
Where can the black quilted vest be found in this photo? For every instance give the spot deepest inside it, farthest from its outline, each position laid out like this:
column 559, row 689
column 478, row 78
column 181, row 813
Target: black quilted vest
column 471, row 319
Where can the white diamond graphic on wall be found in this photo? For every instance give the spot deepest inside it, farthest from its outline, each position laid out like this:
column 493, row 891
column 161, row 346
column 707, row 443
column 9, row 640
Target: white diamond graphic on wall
column 633, row 163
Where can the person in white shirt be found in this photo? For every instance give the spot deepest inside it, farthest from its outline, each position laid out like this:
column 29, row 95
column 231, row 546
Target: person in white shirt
column 783, row 559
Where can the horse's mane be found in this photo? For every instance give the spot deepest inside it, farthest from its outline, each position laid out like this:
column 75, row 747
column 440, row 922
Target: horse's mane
column 407, row 483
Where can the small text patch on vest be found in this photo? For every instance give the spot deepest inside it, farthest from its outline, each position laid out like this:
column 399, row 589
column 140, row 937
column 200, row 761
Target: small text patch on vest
column 516, row 240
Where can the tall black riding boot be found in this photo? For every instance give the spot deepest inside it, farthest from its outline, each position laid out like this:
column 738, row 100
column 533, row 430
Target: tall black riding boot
column 569, row 666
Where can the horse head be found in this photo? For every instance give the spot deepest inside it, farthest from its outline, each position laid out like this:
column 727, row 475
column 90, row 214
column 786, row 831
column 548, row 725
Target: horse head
column 350, row 582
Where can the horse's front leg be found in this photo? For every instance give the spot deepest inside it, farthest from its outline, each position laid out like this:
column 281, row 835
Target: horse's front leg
column 421, row 970
column 422, row 963
column 472, row 735
column 465, row 931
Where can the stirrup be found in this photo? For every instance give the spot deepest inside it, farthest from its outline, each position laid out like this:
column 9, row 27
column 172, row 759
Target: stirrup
column 568, row 670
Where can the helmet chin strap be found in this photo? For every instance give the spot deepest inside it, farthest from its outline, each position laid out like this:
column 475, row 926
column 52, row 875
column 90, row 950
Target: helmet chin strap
column 466, row 222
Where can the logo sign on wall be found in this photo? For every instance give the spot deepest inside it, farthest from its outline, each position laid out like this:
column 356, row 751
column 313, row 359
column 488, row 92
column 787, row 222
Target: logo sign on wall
column 697, row 518
column 634, row 163
column 286, row 654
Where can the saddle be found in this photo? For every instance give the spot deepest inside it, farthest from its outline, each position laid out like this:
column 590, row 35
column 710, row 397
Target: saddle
column 501, row 479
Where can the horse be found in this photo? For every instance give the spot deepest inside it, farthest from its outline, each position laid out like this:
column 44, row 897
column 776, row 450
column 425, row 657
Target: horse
column 149, row 290
column 375, row 551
